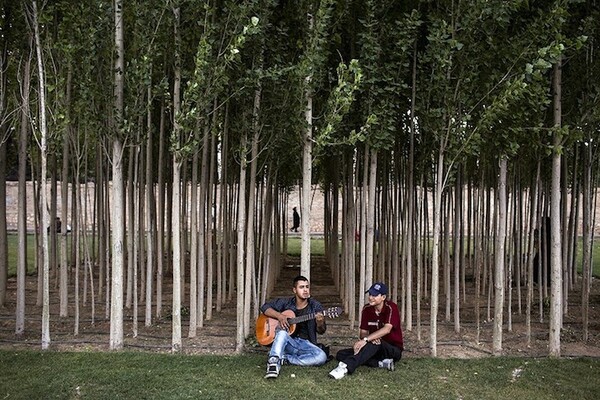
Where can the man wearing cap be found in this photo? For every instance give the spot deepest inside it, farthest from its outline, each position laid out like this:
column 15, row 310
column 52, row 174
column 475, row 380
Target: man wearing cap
column 380, row 341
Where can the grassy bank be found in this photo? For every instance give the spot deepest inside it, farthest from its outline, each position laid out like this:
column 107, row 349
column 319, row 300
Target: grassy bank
column 128, row 375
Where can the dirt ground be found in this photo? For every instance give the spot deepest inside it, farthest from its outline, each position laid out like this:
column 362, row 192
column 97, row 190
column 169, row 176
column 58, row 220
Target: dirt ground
column 217, row 336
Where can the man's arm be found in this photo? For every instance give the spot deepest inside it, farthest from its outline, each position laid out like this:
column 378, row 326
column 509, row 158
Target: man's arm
column 272, row 313
column 375, row 337
column 321, row 325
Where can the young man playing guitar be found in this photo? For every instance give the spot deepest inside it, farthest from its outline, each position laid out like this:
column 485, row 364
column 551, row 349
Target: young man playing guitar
column 300, row 347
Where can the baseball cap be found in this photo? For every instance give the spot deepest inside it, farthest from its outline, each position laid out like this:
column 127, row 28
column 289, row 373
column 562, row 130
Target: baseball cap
column 377, row 288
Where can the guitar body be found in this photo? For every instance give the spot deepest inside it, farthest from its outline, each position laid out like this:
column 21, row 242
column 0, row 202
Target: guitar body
column 266, row 327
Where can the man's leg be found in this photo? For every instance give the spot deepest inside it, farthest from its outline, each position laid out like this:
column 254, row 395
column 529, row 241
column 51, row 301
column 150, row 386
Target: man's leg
column 303, row 352
column 276, row 354
column 353, row 361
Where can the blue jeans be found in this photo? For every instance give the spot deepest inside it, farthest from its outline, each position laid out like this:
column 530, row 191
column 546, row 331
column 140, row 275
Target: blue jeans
column 296, row 351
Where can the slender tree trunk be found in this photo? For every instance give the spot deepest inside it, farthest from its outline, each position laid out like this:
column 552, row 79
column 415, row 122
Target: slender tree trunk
column 456, row 248
column 146, row 195
column 64, row 265
column 222, row 224
column 250, row 230
column 211, row 215
column 116, row 304
column 176, row 193
column 22, row 201
column 362, row 285
column 4, row 134
column 587, row 240
column 350, row 243
column 410, row 190
column 241, row 245
column 149, row 212
column 533, row 218
column 202, row 266
column 371, row 200
column 555, row 236
column 194, row 289
column 44, row 190
column 176, row 234
column 435, row 257
column 306, row 187
column 130, row 211
column 499, row 269
column 3, row 231
column 160, row 209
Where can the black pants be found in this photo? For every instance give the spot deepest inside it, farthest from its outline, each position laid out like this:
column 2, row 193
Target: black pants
column 369, row 355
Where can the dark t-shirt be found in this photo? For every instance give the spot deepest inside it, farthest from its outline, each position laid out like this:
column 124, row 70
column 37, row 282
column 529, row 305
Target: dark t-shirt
column 371, row 321
column 302, row 327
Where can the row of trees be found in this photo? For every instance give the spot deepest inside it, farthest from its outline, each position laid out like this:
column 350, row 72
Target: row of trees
column 190, row 121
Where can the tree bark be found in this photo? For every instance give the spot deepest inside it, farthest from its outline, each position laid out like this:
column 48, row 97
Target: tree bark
column 435, row 255
column 44, row 190
column 118, row 200
column 176, row 234
column 499, row 269
column 307, row 173
column 555, row 236
column 22, row 201
column 241, row 244
column 64, row 263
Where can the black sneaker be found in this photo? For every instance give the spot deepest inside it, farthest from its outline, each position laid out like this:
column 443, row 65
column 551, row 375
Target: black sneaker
column 272, row 368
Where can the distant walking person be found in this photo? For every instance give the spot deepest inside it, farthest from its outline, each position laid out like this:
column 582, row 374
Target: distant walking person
column 296, row 219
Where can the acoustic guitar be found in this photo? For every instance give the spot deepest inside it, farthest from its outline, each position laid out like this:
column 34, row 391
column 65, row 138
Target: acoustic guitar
column 266, row 327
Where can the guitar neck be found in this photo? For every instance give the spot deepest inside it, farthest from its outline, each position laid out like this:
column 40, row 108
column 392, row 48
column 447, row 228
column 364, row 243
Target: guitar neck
column 302, row 318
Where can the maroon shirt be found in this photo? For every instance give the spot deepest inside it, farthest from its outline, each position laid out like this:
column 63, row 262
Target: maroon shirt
column 371, row 321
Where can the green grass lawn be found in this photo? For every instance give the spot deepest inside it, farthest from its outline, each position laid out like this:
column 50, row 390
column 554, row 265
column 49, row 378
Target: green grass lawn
column 134, row 375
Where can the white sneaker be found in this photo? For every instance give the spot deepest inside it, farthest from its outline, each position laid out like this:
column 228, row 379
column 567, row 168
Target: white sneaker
column 340, row 371
column 387, row 363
